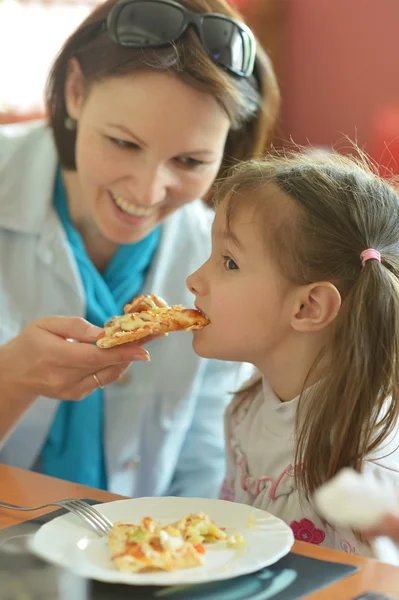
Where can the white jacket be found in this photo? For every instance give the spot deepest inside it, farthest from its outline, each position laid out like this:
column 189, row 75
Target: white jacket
column 164, row 427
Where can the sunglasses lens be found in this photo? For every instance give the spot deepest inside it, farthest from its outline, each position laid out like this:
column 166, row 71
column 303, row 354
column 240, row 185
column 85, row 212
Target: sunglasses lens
column 152, row 23
column 229, row 45
column 142, row 24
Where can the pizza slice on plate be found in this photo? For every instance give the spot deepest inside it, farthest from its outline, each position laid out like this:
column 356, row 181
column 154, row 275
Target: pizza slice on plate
column 149, row 315
column 198, row 528
column 153, row 547
column 150, row 547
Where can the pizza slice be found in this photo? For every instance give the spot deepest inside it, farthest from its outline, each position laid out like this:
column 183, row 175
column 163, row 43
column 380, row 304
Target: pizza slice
column 198, row 528
column 150, row 547
column 149, row 315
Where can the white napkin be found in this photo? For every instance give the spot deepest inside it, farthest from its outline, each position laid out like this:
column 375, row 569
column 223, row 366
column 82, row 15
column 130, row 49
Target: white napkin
column 357, row 501
column 354, row 500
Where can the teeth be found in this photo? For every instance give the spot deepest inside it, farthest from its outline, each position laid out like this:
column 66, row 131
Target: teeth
column 131, row 209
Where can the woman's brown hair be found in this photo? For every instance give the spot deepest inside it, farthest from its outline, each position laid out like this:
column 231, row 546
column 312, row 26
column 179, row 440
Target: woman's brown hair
column 252, row 104
column 340, row 208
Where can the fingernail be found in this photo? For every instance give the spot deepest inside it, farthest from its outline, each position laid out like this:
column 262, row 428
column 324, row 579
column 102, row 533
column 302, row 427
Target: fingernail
column 142, row 356
column 95, row 332
column 94, row 329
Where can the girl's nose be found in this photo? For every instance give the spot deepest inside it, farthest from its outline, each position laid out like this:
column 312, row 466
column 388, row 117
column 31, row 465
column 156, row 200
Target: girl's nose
column 197, row 282
column 190, row 283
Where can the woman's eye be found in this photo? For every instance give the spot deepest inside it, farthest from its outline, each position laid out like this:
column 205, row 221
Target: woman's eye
column 190, row 162
column 123, row 143
column 229, row 263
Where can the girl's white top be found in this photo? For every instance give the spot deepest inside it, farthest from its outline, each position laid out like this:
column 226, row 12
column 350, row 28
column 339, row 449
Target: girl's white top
column 260, row 448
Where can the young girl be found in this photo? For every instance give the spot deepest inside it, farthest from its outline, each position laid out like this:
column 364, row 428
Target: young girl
column 303, row 283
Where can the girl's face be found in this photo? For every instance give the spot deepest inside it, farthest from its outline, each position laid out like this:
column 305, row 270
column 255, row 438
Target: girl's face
column 241, row 290
column 147, row 143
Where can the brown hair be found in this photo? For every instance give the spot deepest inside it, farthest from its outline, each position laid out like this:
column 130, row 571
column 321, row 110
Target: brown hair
column 340, row 208
column 252, row 104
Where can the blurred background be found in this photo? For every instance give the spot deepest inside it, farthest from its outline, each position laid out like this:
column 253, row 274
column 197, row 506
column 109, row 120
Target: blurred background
column 336, row 60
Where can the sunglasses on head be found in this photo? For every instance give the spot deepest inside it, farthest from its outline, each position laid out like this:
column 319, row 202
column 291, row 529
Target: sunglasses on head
column 155, row 23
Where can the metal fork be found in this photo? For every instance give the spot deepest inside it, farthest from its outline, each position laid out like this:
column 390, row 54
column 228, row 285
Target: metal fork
column 100, row 524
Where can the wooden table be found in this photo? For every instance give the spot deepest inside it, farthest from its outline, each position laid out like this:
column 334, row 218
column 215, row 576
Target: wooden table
column 29, row 489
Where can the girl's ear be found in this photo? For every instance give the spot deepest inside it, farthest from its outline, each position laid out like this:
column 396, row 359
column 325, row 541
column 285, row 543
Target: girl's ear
column 316, row 307
column 75, row 89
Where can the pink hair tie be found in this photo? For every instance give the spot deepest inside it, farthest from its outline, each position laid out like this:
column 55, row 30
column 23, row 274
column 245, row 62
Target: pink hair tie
column 370, row 254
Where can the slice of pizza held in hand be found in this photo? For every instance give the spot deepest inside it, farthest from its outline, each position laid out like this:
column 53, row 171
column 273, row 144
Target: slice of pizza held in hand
column 149, row 315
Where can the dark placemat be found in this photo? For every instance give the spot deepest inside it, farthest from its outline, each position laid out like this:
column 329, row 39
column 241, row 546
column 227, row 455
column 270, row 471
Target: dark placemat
column 291, row 578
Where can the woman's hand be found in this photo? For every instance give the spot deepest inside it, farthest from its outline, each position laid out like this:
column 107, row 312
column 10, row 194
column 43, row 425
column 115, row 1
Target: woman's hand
column 43, row 360
column 389, row 527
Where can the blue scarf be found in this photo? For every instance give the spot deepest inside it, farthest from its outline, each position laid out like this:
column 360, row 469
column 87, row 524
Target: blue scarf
column 74, row 449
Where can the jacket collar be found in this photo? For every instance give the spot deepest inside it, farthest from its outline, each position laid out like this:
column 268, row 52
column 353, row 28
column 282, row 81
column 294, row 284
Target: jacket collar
column 28, row 161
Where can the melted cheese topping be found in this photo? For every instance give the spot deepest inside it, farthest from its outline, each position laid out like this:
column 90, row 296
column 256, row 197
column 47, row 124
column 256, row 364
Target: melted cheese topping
column 170, row 542
column 132, row 321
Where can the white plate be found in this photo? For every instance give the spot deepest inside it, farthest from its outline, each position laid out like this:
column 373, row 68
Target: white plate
column 67, row 542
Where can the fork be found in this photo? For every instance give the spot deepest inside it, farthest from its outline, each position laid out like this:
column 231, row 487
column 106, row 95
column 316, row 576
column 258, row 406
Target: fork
column 100, row 524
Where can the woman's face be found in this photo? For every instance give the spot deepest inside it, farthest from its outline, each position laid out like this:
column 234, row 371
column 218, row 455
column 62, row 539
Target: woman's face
column 147, row 143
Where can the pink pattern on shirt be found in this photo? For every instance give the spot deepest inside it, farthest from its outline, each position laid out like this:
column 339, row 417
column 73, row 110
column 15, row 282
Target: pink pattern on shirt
column 306, row 531
column 347, row 547
column 255, row 486
column 289, row 471
column 226, row 491
column 251, row 485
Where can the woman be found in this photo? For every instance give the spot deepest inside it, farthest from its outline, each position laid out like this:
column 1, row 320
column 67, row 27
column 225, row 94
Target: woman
column 102, row 204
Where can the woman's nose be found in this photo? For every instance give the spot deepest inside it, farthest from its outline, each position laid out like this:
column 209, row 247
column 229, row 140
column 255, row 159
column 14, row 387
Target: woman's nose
column 152, row 186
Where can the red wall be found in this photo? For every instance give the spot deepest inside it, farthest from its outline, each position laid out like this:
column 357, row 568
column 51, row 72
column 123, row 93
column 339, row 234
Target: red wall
column 341, row 65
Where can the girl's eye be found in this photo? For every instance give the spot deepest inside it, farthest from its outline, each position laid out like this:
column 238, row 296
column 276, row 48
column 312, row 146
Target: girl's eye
column 189, row 162
column 123, row 143
column 229, row 263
